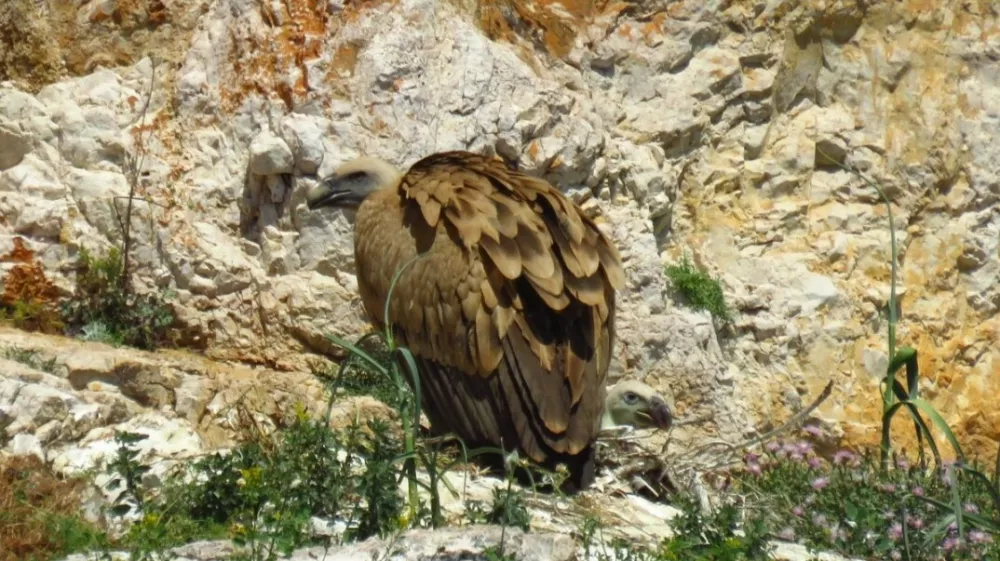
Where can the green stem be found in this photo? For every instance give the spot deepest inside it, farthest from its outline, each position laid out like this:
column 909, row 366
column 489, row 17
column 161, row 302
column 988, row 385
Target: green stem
column 888, row 398
column 409, row 445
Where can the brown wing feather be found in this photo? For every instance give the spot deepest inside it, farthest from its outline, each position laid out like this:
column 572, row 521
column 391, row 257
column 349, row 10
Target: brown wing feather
column 510, row 311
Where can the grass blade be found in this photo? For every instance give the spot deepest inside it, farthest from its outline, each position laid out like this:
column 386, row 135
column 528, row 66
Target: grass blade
column 903, row 356
column 994, row 493
column 940, row 423
column 379, row 367
column 918, row 420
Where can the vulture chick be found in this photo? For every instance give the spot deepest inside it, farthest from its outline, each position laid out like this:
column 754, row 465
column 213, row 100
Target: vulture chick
column 509, row 310
column 633, row 403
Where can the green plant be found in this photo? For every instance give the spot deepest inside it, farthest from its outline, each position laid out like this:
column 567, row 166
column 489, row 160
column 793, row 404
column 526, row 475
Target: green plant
column 264, row 493
column 39, row 513
column 701, row 291
column 404, row 391
column 508, row 509
column 359, row 377
column 30, row 358
column 716, row 535
column 103, row 308
column 853, row 506
column 895, row 397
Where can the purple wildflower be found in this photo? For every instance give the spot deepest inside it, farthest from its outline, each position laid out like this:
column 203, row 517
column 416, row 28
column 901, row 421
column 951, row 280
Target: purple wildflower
column 979, row 536
column 918, row 491
column 889, row 487
column 820, row 482
column 797, row 510
column 814, row 462
column 772, row 446
column 949, row 544
column 843, row 456
column 970, row 508
column 896, row 531
column 754, row 468
column 914, row 522
column 895, row 555
column 812, row 430
column 788, row 534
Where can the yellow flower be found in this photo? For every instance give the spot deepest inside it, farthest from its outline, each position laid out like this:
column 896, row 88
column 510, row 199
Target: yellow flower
column 301, row 413
column 251, row 475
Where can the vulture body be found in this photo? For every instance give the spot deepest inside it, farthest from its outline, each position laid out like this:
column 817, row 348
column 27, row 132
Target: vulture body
column 509, row 311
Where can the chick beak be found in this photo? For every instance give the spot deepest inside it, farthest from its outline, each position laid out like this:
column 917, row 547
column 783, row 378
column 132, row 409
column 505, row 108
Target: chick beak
column 660, row 413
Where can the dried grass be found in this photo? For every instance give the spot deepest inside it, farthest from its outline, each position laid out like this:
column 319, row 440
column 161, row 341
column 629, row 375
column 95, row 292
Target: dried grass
column 32, row 500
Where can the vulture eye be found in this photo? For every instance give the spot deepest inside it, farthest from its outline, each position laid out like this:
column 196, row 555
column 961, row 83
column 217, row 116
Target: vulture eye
column 631, row 398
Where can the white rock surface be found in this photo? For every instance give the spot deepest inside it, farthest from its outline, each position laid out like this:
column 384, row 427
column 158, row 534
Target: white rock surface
column 270, row 155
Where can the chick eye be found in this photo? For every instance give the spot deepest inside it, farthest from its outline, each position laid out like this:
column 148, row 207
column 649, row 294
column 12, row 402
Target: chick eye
column 631, row 398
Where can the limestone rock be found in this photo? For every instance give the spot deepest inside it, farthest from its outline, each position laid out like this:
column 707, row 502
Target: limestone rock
column 270, row 155
column 304, row 134
column 413, row 545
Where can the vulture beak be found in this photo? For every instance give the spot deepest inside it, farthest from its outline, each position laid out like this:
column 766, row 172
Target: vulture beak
column 660, row 413
column 351, row 183
column 337, row 191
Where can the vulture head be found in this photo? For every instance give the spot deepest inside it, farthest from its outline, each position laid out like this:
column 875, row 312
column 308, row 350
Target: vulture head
column 351, row 183
column 635, row 404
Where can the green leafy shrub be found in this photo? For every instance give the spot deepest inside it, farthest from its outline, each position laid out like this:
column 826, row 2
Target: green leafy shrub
column 264, row 494
column 104, row 307
column 701, row 291
column 721, row 534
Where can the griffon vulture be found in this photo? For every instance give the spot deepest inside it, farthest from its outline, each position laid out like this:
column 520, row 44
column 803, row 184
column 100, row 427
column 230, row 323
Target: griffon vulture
column 509, row 311
column 633, row 403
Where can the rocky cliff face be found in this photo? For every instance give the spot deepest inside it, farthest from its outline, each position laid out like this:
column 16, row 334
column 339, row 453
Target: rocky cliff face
column 713, row 129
